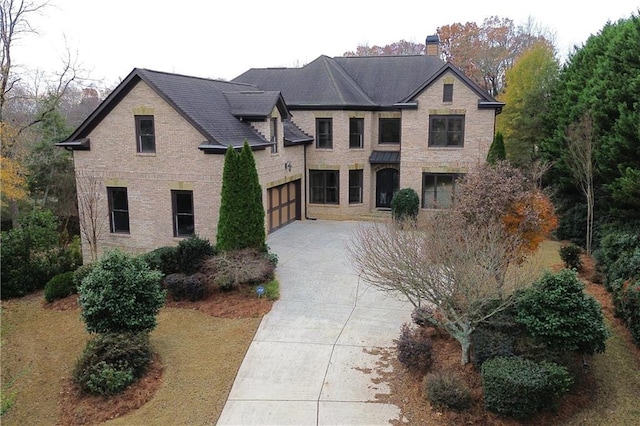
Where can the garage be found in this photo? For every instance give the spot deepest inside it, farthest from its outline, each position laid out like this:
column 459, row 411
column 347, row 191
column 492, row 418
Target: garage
column 283, row 205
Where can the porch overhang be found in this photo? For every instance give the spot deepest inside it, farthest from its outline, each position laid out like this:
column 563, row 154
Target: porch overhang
column 385, row 157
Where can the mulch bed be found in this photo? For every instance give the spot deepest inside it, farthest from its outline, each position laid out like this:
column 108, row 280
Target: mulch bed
column 78, row 408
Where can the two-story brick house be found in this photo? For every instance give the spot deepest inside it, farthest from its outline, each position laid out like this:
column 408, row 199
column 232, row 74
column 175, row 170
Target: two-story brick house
column 333, row 139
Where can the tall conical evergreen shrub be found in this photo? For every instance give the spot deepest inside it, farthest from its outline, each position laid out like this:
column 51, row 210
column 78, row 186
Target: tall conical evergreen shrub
column 253, row 212
column 241, row 218
column 497, row 151
column 228, row 224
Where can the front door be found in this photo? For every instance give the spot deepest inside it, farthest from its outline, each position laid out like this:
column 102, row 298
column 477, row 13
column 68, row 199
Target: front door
column 387, row 184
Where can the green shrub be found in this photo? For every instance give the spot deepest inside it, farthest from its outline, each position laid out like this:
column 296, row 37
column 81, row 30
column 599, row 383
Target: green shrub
column 28, row 259
column 519, row 388
column 446, row 389
column 626, row 299
column 559, row 314
column 625, row 267
column 69, row 257
column 405, row 205
column 163, row 259
column 80, row 273
column 194, row 287
column 570, row 255
column 174, row 283
column 414, row 349
column 59, row 287
column 191, row 252
column 113, row 361
column 272, row 257
column 120, row 294
column 615, row 244
column 487, row 343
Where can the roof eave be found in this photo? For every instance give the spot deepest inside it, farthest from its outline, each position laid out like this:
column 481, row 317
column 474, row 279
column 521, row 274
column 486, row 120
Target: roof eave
column 83, row 144
column 209, row 148
column 298, row 142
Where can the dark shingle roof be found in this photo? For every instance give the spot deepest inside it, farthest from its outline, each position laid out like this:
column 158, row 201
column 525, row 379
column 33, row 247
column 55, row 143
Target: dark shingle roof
column 357, row 82
column 211, row 106
column 252, row 104
column 293, row 135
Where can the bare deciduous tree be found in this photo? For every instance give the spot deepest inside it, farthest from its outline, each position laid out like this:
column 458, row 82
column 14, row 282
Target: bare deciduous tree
column 580, row 144
column 94, row 220
column 443, row 262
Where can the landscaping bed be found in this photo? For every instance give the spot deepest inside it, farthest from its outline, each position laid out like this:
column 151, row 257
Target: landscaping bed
column 199, row 346
column 606, row 392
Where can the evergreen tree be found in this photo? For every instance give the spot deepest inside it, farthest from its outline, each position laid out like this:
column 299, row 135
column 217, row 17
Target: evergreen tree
column 496, row 150
column 241, row 219
column 600, row 79
column 228, row 224
column 253, row 212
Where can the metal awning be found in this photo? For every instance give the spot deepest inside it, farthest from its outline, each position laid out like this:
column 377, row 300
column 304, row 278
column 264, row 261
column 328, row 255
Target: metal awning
column 385, row 157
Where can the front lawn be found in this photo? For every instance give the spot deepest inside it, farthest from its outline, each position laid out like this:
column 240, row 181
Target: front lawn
column 199, row 354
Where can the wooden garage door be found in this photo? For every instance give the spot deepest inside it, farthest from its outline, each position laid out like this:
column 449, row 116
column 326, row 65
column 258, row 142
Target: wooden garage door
column 283, row 205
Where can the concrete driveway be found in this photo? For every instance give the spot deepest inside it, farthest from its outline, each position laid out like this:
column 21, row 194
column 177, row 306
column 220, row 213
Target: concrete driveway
column 310, row 362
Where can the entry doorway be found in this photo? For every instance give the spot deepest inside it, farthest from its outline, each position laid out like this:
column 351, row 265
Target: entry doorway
column 387, row 184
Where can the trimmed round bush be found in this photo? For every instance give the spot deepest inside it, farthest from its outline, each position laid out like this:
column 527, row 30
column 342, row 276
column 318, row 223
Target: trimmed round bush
column 121, row 294
column 448, row 390
column 519, row 388
column 414, row 349
column 80, row 273
column 163, row 259
column 405, row 205
column 59, row 287
column 194, row 287
column 559, row 314
column 111, row 362
column 570, row 256
column 487, row 344
column 174, row 283
column 191, row 252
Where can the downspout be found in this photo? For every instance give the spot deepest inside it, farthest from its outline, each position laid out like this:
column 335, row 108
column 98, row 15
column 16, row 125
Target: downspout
column 306, row 183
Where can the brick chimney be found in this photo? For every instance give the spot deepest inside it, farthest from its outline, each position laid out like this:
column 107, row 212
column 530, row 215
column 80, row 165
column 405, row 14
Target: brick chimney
column 432, row 45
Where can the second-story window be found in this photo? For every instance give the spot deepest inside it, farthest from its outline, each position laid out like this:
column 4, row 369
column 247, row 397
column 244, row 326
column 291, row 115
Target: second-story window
column 324, row 133
column 356, row 132
column 145, row 134
column 389, row 130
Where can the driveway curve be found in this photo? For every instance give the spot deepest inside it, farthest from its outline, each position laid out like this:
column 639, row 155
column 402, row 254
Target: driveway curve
column 312, row 359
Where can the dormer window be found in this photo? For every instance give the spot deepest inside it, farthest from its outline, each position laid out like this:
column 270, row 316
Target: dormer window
column 145, row 134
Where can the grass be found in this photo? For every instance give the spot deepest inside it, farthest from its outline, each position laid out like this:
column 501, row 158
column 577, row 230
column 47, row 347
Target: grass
column 272, row 290
column 200, row 355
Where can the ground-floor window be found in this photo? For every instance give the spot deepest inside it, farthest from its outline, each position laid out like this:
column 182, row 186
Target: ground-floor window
column 323, row 186
column 355, row 186
column 183, row 219
column 118, row 210
column 438, row 190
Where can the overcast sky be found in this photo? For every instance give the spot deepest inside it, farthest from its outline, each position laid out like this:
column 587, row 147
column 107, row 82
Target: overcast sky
column 222, row 39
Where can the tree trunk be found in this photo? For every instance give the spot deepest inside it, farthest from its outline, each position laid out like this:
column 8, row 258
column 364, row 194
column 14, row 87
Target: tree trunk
column 464, row 338
column 590, row 205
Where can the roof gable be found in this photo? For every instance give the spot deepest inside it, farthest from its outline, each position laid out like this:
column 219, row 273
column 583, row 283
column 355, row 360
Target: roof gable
column 200, row 101
column 361, row 82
